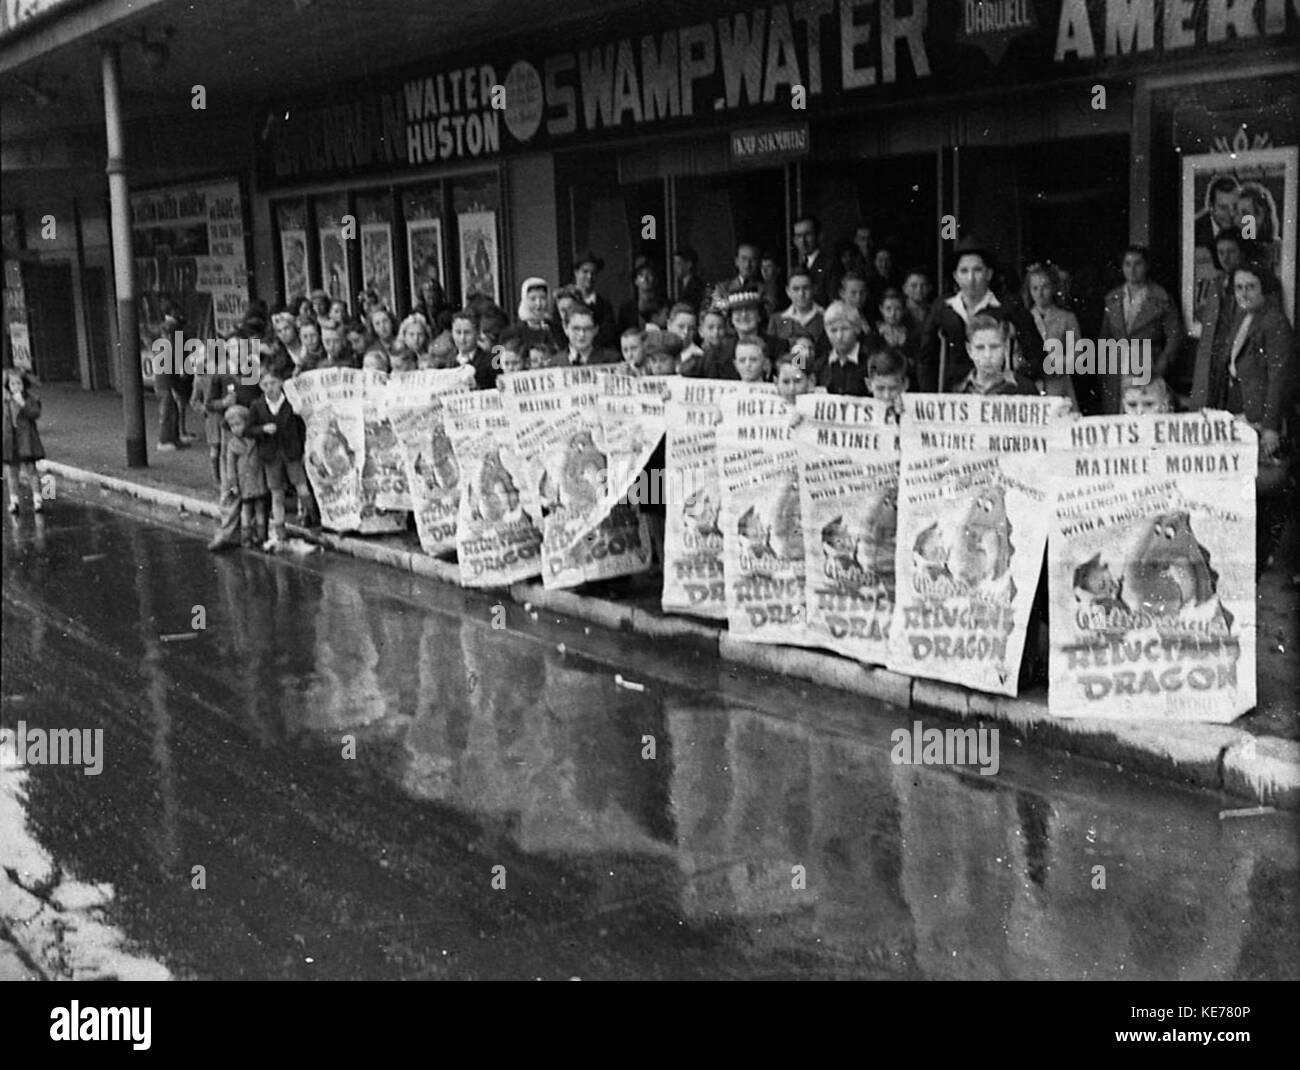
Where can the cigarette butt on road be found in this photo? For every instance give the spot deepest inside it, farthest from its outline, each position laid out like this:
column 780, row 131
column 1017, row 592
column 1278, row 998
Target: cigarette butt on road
column 1248, row 811
column 179, row 637
column 93, row 557
column 631, row 685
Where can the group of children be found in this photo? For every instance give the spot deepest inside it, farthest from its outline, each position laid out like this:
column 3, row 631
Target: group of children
column 256, row 445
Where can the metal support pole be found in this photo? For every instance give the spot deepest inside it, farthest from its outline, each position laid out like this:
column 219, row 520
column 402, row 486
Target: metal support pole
column 128, row 326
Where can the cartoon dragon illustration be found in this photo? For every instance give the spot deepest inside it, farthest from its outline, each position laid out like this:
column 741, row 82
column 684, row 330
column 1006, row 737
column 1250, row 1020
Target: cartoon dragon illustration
column 1169, row 571
column 755, row 536
column 581, row 484
column 494, row 496
column 839, row 554
column 332, row 456
column 700, row 513
column 438, row 467
column 983, row 548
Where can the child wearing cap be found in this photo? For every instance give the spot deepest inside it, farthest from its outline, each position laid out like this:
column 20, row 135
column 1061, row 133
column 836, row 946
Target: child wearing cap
column 663, row 351
column 244, row 482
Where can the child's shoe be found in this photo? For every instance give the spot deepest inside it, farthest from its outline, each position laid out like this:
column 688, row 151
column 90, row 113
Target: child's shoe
column 13, row 506
column 37, row 504
column 272, row 545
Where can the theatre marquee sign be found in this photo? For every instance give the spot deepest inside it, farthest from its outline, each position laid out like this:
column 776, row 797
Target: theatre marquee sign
column 778, row 62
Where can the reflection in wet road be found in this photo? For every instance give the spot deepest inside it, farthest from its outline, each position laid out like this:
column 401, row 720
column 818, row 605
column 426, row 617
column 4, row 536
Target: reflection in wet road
column 478, row 748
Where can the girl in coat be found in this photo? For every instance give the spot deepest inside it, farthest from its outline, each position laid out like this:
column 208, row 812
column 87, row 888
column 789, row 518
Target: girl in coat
column 1054, row 323
column 22, row 442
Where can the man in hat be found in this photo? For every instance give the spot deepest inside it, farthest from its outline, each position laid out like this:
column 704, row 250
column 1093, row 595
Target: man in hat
column 586, row 266
column 690, row 287
column 949, row 319
column 646, row 308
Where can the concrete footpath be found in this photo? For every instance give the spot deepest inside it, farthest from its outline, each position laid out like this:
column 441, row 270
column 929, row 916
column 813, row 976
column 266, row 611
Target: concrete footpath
column 1256, row 758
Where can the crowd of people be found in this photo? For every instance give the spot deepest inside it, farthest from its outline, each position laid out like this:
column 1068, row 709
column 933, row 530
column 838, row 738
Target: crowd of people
column 847, row 323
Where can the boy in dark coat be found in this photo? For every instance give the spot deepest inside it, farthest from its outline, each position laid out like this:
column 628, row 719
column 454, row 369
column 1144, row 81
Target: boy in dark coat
column 22, row 442
column 948, row 322
column 279, row 433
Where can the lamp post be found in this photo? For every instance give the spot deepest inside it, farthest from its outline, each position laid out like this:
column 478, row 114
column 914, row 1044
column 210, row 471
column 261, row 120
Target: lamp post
column 128, row 327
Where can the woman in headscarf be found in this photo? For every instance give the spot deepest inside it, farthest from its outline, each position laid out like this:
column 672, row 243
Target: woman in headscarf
column 535, row 326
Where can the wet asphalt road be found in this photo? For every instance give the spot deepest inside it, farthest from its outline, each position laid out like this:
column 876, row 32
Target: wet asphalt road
column 478, row 748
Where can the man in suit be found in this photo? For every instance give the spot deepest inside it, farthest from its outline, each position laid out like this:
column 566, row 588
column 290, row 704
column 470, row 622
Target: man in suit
column 807, row 237
column 690, row 287
column 744, row 280
column 1221, row 215
column 582, row 348
column 948, row 320
column 586, row 266
column 1139, row 312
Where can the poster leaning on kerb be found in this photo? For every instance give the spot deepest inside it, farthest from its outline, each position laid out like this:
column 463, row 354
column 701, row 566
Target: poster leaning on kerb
column 1152, row 568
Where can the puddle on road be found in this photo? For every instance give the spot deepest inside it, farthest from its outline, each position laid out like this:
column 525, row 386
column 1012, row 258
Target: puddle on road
column 703, row 827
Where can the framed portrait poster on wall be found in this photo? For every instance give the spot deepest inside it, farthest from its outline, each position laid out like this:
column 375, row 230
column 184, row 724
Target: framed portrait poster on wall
column 1253, row 191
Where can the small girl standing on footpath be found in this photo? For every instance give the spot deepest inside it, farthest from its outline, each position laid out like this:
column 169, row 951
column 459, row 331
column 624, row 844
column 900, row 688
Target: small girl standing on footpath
column 22, row 442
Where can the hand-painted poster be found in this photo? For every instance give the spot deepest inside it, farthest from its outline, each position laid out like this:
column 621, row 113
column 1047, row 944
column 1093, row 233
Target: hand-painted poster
column 1253, row 192
column 293, row 254
column 383, row 476
column 973, row 511
column 498, row 533
column 188, row 244
column 413, row 402
column 423, row 244
column 1152, row 569
column 377, row 261
column 330, row 403
column 478, row 254
column 762, row 536
column 555, row 413
column 848, row 499
column 334, row 276
column 693, row 536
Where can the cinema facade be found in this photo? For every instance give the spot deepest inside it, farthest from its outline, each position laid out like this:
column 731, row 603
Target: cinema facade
column 1052, row 128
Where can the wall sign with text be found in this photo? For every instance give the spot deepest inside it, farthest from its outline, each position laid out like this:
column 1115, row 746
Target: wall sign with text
column 754, row 65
